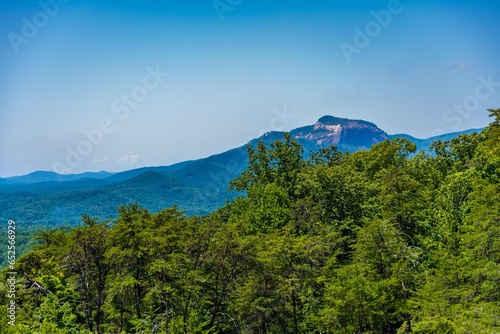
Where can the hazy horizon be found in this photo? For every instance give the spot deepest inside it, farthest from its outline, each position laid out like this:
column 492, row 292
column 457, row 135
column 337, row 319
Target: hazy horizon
column 129, row 84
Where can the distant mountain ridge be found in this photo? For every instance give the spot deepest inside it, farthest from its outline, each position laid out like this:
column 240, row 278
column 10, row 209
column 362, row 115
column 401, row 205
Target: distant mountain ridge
column 46, row 176
column 45, row 199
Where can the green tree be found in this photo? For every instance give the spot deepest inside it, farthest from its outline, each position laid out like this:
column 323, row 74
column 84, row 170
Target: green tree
column 85, row 258
column 279, row 164
column 371, row 294
column 127, row 254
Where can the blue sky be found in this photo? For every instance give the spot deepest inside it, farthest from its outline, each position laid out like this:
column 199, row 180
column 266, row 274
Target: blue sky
column 78, row 89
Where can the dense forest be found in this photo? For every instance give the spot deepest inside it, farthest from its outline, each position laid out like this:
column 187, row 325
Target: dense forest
column 386, row 240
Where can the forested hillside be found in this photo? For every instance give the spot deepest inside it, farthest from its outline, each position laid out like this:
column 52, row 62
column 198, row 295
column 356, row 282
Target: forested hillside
column 376, row 241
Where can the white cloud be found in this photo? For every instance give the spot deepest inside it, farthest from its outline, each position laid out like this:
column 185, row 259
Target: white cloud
column 130, row 159
column 134, row 158
column 97, row 161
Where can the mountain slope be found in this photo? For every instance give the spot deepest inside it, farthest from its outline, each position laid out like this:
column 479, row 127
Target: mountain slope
column 151, row 189
column 198, row 186
column 424, row 144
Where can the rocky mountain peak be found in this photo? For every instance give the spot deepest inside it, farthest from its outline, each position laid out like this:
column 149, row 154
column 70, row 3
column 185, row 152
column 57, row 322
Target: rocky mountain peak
column 342, row 132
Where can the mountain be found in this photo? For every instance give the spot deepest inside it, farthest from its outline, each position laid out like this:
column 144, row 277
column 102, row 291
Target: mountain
column 424, row 144
column 44, row 176
column 346, row 134
column 43, row 199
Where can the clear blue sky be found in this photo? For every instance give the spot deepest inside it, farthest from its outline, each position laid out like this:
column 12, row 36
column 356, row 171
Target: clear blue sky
column 232, row 66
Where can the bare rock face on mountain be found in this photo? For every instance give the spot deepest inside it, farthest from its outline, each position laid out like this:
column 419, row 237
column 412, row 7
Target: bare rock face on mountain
column 342, row 132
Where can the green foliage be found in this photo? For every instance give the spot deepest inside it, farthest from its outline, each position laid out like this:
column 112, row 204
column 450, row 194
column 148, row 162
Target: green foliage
column 25, row 240
column 377, row 241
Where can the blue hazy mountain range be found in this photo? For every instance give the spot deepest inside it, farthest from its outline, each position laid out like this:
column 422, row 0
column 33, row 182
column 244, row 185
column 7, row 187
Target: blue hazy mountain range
column 46, row 199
